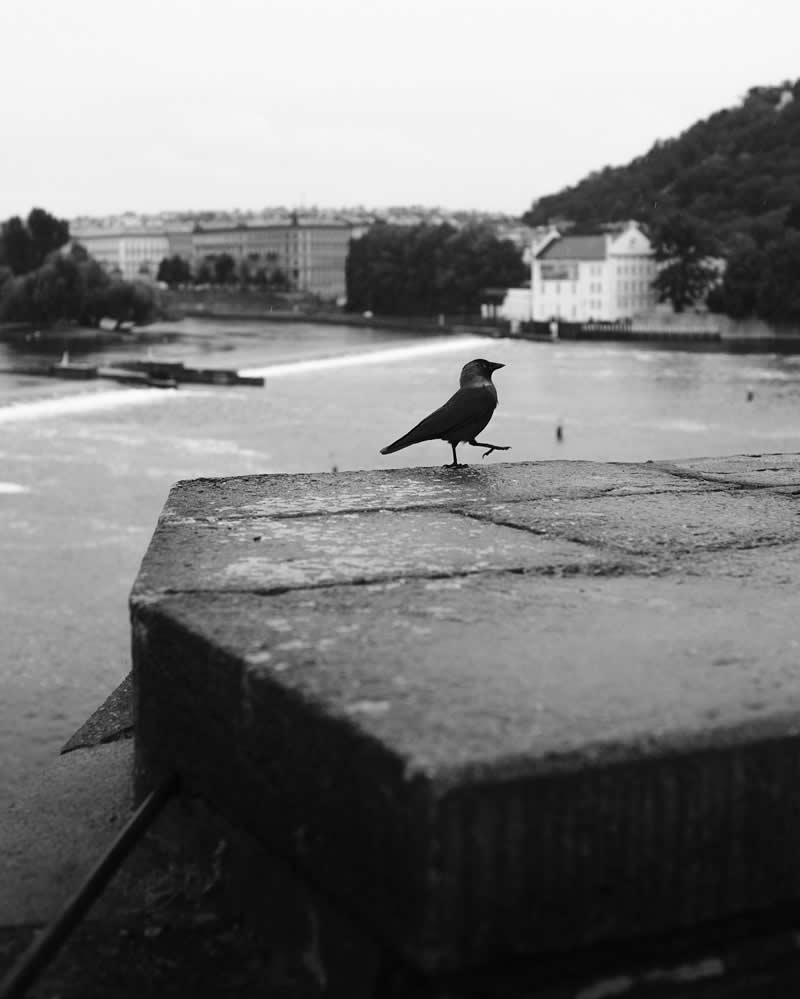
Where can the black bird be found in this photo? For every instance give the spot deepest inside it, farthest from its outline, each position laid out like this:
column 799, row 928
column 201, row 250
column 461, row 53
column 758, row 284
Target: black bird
column 462, row 417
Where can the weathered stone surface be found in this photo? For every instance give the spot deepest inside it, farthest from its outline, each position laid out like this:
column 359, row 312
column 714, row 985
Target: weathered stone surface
column 485, row 672
column 212, row 500
column 762, row 470
column 111, row 721
column 290, row 553
column 497, row 719
column 660, row 523
column 778, row 567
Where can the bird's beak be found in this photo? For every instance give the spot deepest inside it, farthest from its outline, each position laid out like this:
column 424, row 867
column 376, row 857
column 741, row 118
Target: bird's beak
column 494, row 365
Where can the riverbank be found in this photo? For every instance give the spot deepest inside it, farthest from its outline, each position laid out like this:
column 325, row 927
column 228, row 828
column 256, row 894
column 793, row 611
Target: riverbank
column 401, row 324
column 692, row 331
column 706, row 331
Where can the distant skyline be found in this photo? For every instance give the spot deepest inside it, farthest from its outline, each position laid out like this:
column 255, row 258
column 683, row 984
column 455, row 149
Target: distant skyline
column 465, row 104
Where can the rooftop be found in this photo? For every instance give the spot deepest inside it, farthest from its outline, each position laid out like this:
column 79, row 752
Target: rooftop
column 575, row 248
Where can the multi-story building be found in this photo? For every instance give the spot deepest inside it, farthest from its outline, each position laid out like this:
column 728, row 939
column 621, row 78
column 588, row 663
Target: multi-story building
column 126, row 251
column 180, row 236
column 311, row 252
column 575, row 278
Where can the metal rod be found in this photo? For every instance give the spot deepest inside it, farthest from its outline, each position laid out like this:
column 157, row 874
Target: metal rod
column 48, row 942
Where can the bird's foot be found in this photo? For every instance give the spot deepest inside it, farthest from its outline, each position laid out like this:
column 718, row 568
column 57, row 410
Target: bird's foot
column 496, row 447
column 456, row 464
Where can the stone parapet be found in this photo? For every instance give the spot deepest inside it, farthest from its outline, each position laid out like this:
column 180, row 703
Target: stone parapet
column 491, row 711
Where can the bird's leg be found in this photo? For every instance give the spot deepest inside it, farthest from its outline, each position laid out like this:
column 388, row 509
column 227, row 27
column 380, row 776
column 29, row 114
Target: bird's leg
column 492, row 447
column 456, row 463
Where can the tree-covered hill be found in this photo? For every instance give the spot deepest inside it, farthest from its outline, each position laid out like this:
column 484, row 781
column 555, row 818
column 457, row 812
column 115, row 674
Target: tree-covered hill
column 738, row 171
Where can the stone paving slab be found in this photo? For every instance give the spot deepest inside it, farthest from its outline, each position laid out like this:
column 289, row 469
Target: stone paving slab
column 673, row 523
column 478, row 742
column 761, row 470
column 778, row 568
column 291, row 553
column 212, row 500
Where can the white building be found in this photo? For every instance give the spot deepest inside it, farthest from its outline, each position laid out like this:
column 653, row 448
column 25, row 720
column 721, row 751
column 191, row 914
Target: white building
column 604, row 277
column 131, row 252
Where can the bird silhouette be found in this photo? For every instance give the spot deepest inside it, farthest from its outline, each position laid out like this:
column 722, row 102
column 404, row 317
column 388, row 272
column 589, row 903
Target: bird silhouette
column 462, row 417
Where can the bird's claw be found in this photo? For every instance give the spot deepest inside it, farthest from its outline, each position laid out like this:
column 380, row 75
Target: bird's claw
column 496, row 447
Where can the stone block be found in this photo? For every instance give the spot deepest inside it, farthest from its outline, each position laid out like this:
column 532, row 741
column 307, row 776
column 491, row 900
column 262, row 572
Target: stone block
column 481, row 723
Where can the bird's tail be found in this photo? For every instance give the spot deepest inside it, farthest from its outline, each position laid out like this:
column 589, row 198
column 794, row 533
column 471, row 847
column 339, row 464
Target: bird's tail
column 437, row 425
column 412, row 437
column 398, row 445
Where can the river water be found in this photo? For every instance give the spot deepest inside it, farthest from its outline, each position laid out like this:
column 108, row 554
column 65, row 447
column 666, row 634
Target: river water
column 85, row 467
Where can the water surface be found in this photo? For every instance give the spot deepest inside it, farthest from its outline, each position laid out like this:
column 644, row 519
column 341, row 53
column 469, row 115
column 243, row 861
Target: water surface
column 85, row 468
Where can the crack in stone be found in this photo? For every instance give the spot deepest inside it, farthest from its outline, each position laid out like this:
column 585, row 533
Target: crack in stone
column 527, row 529
column 732, row 484
column 566, row 569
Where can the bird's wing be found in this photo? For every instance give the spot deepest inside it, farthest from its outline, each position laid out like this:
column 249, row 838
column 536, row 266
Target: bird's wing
column 467, row 408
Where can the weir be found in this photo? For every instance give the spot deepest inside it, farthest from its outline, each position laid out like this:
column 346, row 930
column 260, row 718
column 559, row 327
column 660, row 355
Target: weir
column 110, row 399
column 456, row 344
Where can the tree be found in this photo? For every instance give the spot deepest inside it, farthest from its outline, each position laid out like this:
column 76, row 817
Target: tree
column 683, row 247
column 118, row 302
column 15, row 300
column 792, row 220
column 48, row 294
column 17, row 250
column 428, row 269
column 737, row 294
column 174, row 270
column 47, row 233
column 72, row 286
column 224, row 268
column 204, row 273
column 278, row 279
column 24, row 246
column 93, row 288
column 779, row 291
column 53, row 291
column 143, row 303
column 79, row 253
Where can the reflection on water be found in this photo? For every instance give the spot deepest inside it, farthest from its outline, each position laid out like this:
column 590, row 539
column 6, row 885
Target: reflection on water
column 86, row 467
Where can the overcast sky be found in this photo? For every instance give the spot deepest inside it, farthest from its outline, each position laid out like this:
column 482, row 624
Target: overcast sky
column 477, row 104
